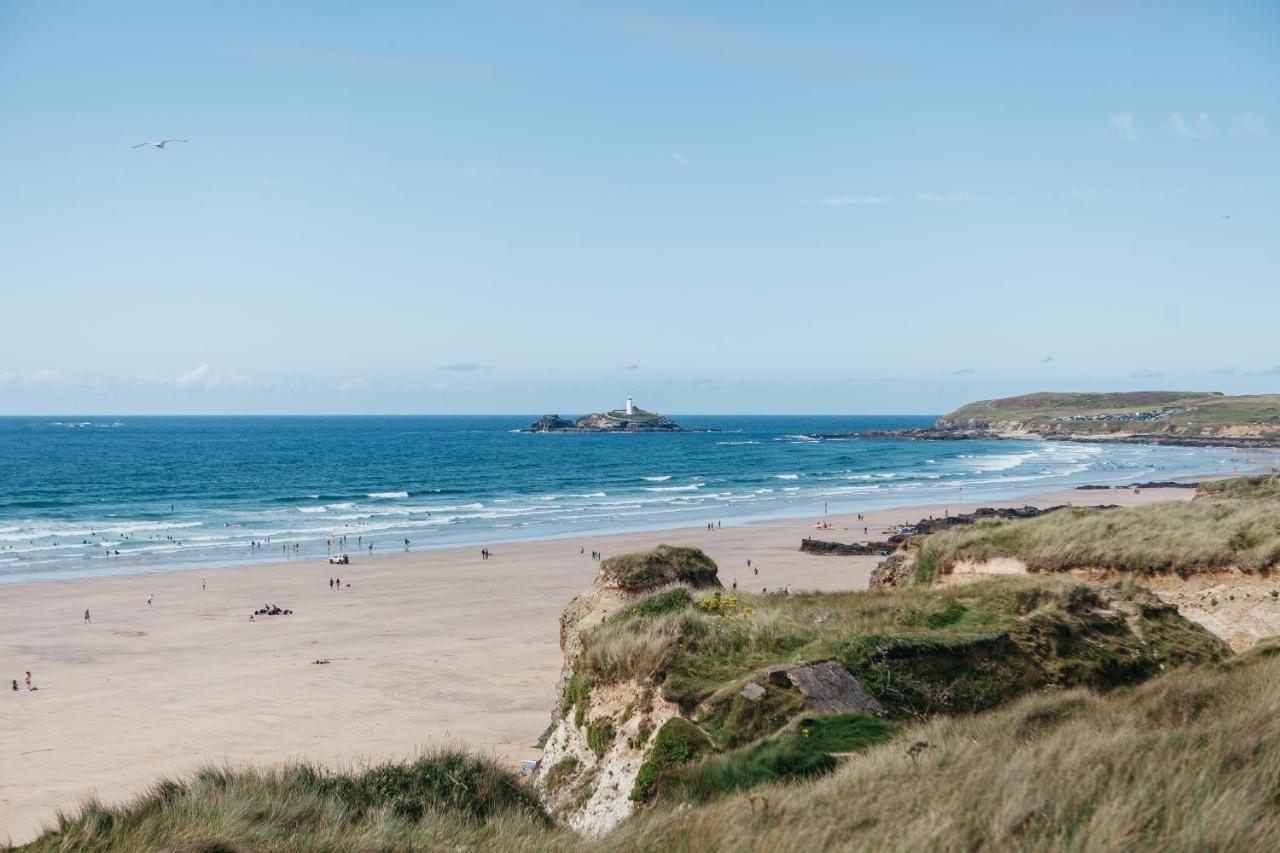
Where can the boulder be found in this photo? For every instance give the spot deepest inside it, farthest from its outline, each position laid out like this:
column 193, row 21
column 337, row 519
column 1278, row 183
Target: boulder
column 550, row 423
column 828, row 687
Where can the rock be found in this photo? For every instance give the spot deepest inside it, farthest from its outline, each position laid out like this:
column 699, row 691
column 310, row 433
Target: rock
column 550, row 423
column 753, row 692
column 840, row 549
column 897, row 570
column 616, row 421
column 827, row 686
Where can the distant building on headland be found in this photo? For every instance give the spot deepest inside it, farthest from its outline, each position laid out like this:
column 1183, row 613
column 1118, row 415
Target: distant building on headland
column 630, row 418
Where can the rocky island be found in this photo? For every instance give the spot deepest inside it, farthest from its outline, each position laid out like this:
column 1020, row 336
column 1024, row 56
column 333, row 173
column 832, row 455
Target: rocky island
column 1192, row 418
column 630, row 418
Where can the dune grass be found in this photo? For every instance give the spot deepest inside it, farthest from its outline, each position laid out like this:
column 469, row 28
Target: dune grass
column 1235, row 524
column 920, row 650
column 804, row 751
column 447, row 799
column 1186, row 761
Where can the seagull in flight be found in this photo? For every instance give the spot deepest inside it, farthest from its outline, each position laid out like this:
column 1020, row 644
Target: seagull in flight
column 160, row 144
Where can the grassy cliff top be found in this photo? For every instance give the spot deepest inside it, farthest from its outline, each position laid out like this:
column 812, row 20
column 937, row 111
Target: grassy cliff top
column 1233, row 524
column 660, row 566
column 1164, row 411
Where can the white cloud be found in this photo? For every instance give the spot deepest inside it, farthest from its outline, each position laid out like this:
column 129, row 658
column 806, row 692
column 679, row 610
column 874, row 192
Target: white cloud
column 199, row 375
column 964, row 371
column 202, row 377
column 1224, row 371
column 353, row 385
column 28, row 379
column 1250, row 125
column 1266, row 371
column 464, row 367
column 632, row 367
column 680, row 160
column 844, row 200
column 928, row 198
column 1198, row 128
column 1145, row 374
column 1121, row 126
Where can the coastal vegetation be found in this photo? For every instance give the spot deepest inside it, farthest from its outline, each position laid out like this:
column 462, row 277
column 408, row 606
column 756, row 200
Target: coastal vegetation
column 1231, row 524
column 1186, row 413
column 918, row 650
column 1185, row 761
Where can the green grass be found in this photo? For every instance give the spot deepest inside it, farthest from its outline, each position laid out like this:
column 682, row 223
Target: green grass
column 1186, row 761
column 445, row 799
column 919, row 650
column 661, row 566
column 804, row 751
column 677, row 742
column 1205, row 412
column 671, row 601
column 1236, row 524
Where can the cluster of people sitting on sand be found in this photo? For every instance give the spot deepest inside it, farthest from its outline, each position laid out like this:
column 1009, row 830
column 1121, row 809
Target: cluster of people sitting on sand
column 271, row 610
column 30, row 687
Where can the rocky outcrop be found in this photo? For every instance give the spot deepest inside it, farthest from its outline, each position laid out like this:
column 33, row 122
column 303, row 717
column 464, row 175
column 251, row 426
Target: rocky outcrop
column 896, row 570
column 600, row 734
column 827, row 687
column 550, row 423
column 842, row 549
column 606, row 422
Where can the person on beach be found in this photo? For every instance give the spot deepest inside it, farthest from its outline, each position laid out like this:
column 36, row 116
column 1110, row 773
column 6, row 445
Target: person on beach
column 330, row 584
column 370, row 548
column 406, row 546
column 339, row 586
column 149, row 600
column 735, row 584
column 86, row 616
column 203, row 586
column 29, row 687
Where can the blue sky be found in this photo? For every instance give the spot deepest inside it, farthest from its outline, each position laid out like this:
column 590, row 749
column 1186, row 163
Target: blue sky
column 714, row 207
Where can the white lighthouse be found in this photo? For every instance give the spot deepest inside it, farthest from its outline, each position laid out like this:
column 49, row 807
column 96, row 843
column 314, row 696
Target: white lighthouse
column 631, row 407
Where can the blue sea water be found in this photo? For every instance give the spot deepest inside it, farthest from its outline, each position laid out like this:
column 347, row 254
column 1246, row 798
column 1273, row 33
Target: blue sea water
column 169, row 492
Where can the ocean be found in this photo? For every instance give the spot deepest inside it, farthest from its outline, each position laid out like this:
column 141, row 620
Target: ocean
column 94, row 496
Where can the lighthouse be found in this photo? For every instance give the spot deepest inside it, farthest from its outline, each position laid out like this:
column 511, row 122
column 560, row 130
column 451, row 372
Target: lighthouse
column 630, row 407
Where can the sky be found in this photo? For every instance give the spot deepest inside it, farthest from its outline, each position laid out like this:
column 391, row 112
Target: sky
column 508, row 207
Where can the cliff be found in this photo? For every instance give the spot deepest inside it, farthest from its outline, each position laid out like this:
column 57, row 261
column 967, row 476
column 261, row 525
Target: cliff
column 673, row 692
column 1183, row 414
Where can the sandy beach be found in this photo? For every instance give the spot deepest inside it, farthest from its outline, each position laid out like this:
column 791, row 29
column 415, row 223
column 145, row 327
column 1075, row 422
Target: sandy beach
column 424, row 647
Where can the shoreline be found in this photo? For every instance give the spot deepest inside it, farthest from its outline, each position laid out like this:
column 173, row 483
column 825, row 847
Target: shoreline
column 313, row 549
column 423, row 647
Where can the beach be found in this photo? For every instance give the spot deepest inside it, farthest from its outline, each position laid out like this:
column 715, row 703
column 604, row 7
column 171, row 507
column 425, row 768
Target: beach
column 426, row 647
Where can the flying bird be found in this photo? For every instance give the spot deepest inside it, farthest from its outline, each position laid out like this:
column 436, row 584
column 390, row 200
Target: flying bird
column 160, row 145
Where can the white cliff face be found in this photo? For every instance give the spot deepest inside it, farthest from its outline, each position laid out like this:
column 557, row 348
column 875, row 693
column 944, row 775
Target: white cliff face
column 591, row 789
column 601, row 734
